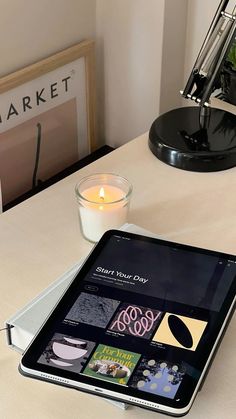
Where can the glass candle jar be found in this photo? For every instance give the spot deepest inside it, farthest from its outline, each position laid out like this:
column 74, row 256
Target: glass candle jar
column 103, row 203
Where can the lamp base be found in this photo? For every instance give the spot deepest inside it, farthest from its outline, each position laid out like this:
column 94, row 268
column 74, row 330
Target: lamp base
column 195, row 139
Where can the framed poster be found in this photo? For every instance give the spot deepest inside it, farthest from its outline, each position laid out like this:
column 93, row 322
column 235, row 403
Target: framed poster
column 47, row 118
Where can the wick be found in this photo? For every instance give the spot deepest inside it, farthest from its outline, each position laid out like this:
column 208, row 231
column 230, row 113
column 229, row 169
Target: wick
column 102, row 194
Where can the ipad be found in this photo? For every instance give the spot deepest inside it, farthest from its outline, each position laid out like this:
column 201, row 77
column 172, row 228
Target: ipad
column 140, row 323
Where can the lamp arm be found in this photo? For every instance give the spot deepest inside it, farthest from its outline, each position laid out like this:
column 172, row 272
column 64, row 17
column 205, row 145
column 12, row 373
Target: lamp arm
column 219, row 64
column 206, row 70
column 222, row 6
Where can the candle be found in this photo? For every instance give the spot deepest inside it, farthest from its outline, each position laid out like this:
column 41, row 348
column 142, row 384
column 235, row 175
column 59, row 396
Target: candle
column 103, row 203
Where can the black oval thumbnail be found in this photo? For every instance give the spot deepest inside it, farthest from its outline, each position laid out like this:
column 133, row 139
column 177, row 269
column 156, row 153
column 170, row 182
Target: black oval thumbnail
column 180, row 331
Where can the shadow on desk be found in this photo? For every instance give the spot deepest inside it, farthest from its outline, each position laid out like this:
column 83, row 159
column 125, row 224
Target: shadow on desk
column 59, row 176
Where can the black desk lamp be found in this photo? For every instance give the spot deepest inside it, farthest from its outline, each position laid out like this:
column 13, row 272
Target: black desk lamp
column 200, row 138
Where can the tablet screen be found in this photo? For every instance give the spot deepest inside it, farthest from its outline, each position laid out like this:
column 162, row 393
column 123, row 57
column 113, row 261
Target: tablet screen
column 139, row 323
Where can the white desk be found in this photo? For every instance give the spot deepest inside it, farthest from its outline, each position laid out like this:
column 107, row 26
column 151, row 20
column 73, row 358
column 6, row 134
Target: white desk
column 40, row 239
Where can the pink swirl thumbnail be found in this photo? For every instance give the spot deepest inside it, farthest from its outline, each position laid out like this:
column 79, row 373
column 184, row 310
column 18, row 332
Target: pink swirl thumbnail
column 135, row 320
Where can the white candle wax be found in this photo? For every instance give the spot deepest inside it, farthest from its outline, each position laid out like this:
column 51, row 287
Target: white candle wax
column 99, row 212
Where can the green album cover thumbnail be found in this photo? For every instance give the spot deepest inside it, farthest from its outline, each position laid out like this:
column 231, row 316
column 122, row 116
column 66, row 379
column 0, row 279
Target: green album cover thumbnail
column 111, row 364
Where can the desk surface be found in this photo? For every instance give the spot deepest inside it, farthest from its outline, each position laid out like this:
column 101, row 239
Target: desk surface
column 40, row 239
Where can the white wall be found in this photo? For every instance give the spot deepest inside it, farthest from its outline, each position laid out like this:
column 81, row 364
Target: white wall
column 129, row 36
column 173, row 54
column 141, row 45
column 31, row 29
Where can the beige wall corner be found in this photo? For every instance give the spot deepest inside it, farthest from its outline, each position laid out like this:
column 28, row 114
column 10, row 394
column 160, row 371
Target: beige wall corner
column 173, row 53
column 129, row 38
column 32, row 30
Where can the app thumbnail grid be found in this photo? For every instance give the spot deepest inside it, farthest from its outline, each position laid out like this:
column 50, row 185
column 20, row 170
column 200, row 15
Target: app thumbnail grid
column 119, row 365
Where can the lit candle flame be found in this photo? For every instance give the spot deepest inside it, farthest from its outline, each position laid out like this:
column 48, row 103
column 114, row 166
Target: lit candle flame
column 102, row 194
